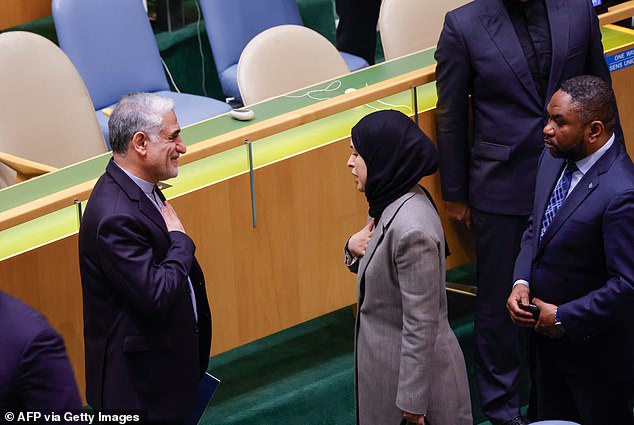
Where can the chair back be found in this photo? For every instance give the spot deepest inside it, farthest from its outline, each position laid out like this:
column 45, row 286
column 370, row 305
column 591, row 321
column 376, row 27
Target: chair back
column 408, row 26
column 46, row 114
column 286, row 58
column 231, row 24
column 112, row 45
column 7, row 176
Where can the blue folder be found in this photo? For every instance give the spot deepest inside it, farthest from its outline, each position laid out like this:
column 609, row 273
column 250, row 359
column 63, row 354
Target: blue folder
column 206, row 389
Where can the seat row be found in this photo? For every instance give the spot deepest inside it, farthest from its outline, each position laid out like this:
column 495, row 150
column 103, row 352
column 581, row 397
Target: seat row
column 57, row 100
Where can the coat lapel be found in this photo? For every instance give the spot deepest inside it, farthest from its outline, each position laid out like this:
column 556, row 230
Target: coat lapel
column 149, row 210
column 376, row 239
column 588, row 183
column 559, row 31
column 498, row 24
column 379, row 232
column 135, row 193
column 548, row 176
column 571, row 203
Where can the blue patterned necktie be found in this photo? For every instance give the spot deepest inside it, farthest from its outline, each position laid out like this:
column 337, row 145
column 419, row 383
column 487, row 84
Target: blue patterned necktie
column 558, row 196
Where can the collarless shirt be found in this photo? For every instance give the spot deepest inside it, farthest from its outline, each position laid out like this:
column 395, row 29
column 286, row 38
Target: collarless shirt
column 530, row 21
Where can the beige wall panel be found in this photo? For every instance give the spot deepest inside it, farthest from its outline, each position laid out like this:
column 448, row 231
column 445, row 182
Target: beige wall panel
column 16, row 12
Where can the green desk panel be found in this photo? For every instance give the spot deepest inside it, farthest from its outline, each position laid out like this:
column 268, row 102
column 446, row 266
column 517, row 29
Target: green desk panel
column 616, row 37
column 218, row 167
column 51, row 183
column 73, row 175
column 233, row 162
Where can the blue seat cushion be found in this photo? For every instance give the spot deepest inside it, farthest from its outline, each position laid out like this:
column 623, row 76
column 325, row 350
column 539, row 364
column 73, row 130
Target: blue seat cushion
column 354, row 62
column 103, row 123
column 229, row 82
column 191, row 109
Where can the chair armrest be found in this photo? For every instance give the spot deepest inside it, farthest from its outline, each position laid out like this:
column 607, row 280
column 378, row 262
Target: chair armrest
column 24, row 168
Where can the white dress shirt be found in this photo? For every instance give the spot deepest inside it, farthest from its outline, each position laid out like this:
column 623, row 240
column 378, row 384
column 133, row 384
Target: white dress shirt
column 583, row 166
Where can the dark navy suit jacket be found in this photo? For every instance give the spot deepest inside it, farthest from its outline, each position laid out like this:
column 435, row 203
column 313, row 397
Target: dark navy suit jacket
column 35, row 374
column 479, row 55
column 584, row 264
column 144, row 350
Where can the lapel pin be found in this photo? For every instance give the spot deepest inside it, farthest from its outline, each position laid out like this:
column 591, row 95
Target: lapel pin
column 590, row 186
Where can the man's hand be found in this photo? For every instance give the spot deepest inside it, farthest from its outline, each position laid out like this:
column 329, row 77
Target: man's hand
column 172, row 222
column 358, row 242
column 459, row 211
column 520, row 294
column 546, row 323
column 414, row 418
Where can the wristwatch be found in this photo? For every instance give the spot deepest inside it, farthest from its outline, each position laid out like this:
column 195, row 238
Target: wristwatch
column 349, row 259
column 558, row 323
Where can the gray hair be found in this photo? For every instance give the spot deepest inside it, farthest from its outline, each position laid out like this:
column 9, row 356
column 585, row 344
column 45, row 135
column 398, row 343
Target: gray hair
column 137, row 112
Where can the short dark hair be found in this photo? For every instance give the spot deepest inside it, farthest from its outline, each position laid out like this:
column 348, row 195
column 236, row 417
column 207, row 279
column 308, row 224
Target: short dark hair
column 137, row 112
column 592, row 100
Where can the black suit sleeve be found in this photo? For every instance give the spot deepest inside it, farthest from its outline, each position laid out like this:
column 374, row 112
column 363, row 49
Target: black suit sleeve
column 523, row 261
column 46, row 378
column 454, row 78
column 150, row 281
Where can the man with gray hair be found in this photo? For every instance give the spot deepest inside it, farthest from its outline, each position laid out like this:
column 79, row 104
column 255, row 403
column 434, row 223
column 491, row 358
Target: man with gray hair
column 147, row 324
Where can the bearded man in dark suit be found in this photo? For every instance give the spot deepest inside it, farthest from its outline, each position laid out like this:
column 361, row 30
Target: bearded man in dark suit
column 576, row 262
column 504, row 58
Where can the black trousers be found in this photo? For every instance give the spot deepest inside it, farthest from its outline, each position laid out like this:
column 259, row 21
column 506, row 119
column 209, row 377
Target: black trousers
column 576, row 398
column 356, row 32
column 497, row 345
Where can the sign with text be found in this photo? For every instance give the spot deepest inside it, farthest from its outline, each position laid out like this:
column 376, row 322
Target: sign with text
column 620, row 60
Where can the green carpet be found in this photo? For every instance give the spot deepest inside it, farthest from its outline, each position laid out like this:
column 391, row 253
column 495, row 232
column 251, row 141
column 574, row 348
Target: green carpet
column 302, row 375
column 305, row 374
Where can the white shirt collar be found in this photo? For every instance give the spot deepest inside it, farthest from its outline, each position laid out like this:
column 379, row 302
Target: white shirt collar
column 586, row 163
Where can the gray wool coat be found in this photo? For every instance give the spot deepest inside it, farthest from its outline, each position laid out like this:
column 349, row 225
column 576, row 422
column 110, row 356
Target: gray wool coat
column 407, row 356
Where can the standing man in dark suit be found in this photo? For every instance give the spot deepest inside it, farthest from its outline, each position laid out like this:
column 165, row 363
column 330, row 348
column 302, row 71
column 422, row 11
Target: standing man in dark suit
column 505, row 58
column 35, row 373
column 147, row 324
column 576, row 262
column 356, row 31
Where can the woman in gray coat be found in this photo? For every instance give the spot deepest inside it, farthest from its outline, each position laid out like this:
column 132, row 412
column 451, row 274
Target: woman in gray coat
column 409, row 366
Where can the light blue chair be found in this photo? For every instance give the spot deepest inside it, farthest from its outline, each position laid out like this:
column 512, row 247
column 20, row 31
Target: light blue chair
column 231, row 24
column 554, row 423
column 112, row 45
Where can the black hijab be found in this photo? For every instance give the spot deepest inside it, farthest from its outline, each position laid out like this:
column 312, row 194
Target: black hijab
column 397, row 155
